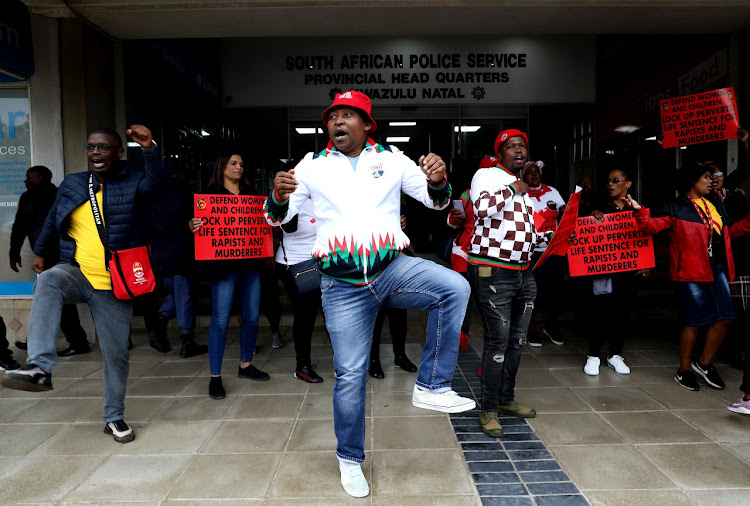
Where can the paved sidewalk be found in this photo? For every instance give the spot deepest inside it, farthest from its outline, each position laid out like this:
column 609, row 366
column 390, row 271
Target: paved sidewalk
column 637, row 439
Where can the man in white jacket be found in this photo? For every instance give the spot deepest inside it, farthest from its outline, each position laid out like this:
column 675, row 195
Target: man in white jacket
column 355, row 186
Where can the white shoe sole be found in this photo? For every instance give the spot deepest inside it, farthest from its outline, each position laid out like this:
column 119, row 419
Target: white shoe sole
column 356, row 493
column 552, row 340
column 445, row 409
column 705, row 377
column 615, row 369
column 535, row 345
column 591, row 373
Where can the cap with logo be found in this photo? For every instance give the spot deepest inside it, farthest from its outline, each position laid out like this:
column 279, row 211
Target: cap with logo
column 507, row 134
column 488, row 162
column 355, row 100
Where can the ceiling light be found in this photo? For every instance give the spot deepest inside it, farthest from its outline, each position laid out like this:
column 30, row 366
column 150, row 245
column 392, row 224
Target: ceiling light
column 133, row 145
column 397, row 139
column 651, row 138
column 308, row 131
column 467, row 128
column 626, row 129
column 205, row 134
column 610, row 152
column 402, row 123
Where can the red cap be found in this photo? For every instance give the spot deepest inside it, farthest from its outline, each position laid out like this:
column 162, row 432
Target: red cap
column 507, row 134
column 355, row 100
column 488, row 162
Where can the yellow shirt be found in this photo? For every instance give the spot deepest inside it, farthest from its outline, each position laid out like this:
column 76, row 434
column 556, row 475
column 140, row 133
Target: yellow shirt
column 89, row 248
column 718, row 223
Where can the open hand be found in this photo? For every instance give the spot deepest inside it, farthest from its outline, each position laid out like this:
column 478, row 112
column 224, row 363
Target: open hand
column 140, row 134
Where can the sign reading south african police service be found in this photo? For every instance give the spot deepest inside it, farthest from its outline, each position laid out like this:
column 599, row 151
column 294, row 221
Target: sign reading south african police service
column 399, row 71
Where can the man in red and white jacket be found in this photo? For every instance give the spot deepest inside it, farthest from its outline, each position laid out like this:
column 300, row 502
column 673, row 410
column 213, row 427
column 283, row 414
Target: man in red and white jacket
column 502, row 283
column 355, row 186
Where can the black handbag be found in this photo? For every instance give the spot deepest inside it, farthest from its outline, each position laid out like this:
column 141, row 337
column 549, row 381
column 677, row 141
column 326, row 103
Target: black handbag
column 306, row 275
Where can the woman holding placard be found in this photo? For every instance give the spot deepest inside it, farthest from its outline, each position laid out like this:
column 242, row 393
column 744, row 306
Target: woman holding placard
column 701, row 263
column 608, row 293
column 228, row 277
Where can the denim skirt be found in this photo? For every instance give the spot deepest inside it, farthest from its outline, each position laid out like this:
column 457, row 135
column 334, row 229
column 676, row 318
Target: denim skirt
column 705, row 303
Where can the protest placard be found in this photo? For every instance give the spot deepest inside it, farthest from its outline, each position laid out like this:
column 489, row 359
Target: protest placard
column 559, row 243
column 703, row 117
column 233, row 228
column 615, row 245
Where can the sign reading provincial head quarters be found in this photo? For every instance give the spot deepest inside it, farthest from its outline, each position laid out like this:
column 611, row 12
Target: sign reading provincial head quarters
column 233, row 228
column 308, row 72
column 703, row 117
column 615, row 245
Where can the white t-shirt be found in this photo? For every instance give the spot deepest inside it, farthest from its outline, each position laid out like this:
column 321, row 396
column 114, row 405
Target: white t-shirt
column 299, row 244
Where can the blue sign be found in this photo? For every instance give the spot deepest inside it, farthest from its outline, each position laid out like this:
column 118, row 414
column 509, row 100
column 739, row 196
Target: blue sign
column 16, row 49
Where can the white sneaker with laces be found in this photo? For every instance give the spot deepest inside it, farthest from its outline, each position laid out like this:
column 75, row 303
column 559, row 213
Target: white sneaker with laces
column 353, row 479
column 446, row 402
column 592, row 366
column 617, row 363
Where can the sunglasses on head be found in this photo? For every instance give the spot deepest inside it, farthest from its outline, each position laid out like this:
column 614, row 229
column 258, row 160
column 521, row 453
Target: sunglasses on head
column 103, row 148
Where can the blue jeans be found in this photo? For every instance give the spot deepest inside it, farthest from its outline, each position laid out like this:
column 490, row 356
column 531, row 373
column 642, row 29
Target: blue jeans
column 179, row 300
column 506, row 300
column 65, row 283
column 350, row 311
column 222, row 293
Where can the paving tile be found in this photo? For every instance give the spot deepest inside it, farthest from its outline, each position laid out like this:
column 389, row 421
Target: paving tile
column 523, row 445
column 544, row 476
column 193, row 409
column 156, row 387
column 198, row 386
column 603, row 467
column 561, row 359
column 58, row 384
column 506, row 501
column 719, row 424
column 686, row 465
column 675, row 397
column 537, row 465
column 318, row 435
column 45, row 478
column 429, row 432
column 397, row 404
column 617, row 399
column 552, row 488
column 450, row 500
column 720, row 497
column 75, row 369
column 397, row 473
column 312, row 474
column 227, row 476
column 284, row 384
column 574, row 429
column 56, row 411
column 552, row 400
column 178, row 368
column 491, row 467
column 396, row 380
column 21, row 439
column 79, row 439
column 10, row 408
column 495, row 478
column 318, row 406
column 652, row 376
column 266, row 406
column 535, row 378
column 575, row 377
column 7, row 463
column 509, row 489
column 216, row 502
column 654, row 427
column 485, row 456
column 162, row 438
column 631, row 497
column 739, row 448
column 247, row 436
column 131, row 478
column 561, row 500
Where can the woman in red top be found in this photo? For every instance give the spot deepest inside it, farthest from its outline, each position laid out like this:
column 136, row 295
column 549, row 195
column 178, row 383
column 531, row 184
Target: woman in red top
column 701, row 262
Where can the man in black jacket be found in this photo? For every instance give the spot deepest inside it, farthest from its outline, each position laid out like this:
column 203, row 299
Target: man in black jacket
column 33, row 207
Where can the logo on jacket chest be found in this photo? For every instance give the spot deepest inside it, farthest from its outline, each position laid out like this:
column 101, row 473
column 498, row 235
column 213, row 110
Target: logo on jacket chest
column 377, row 170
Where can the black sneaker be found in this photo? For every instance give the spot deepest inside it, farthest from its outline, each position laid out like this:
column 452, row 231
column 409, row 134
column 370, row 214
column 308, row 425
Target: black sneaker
column 553, row 334
column 216, row 388
column 253, row 373
column 308, row 374
column 376, row 370
column 29, row 378
column 8, row 364
column 534, row 339
column 404, row 363
column 120, row 431
column 158, row 341
column 686, row 379
column 708, row 372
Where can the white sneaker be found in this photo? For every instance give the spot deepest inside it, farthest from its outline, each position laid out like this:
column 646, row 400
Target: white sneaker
column 352, row 479
column 592, row 366
column 617, row 363
column 447, row 401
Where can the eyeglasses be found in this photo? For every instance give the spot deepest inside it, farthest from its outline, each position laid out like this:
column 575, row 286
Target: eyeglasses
column 717, row 174
column 616, row 180
column 103, row 148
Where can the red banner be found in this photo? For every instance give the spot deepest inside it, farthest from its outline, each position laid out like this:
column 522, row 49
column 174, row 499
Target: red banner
column 615, row 245
column 233, row 228
column 703, row 117
column 559, row 244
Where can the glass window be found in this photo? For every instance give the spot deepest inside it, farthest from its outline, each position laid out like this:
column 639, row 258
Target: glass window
column 15, row 159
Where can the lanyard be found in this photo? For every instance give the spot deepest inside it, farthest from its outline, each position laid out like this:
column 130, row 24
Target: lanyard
column 708, row 221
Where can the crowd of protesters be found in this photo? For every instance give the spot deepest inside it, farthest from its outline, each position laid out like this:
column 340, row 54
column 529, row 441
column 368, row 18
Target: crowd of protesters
column 343, row 207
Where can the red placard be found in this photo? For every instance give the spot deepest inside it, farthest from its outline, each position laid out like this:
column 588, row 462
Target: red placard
column 703, row 117
column 615, row 245
column 559, row 243
column 233, row 228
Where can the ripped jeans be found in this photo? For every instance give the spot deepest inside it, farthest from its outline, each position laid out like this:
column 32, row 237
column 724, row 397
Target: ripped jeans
column 506, row 301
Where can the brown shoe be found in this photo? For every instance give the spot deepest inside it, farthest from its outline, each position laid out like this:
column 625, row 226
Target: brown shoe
column 515, row 409
column 490, row 425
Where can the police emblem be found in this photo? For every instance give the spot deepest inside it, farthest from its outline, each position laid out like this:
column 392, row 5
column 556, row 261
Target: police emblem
column 201, row 204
